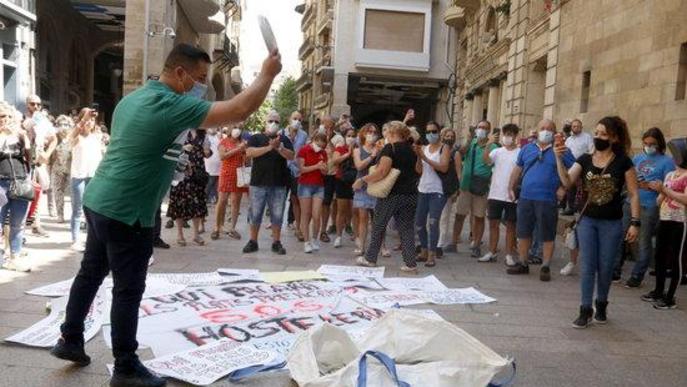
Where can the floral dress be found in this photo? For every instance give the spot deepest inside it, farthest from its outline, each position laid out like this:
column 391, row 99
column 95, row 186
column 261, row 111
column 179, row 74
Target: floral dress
column 59, row 174
column 188, row 199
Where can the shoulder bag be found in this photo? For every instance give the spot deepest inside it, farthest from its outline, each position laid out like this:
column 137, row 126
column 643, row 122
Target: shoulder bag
column 20, row 189
column 449, row 179
column 381, row 189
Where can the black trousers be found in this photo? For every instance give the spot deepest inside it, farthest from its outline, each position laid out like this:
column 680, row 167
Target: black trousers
column 669, row 242
column 125, row 250
column 157, row 229
column 402, row 209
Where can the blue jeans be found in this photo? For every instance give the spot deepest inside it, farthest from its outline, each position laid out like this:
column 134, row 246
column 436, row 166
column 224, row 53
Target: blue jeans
column 272, row 197
column 599, row 241
column 429, row 204
column 78, row 188
column 17, row 213
column 649, row 219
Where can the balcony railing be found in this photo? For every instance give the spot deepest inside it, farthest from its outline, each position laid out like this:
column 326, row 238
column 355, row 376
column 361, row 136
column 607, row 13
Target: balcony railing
column 321, row 100
column 28, row 5
column 324, row 25
column 304, row 82
column 305, row 48
column 308, row 15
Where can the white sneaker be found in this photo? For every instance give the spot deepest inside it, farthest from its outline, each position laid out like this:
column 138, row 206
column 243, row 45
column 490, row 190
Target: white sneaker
column 12, row 264
column 362, row 261
column 510, row 261
column 488, row 257
column 78, row 247
column 307, row 248
column 568, row 269
column 315, row 245
column 151, row 261
column 337, row 242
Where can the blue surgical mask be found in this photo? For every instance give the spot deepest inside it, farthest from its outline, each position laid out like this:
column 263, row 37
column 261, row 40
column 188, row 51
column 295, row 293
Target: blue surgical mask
column 481, row 134
column 199, row 90
column 545, row 137
column 650, row 150
column 432, row 138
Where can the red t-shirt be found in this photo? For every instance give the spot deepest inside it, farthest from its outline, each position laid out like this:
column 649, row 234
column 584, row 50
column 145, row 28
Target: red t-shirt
column 310, row 158
column 342, row 150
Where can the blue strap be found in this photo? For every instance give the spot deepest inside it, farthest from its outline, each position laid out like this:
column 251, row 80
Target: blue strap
column 252, row 370
column 388, row 363
column 507, row 381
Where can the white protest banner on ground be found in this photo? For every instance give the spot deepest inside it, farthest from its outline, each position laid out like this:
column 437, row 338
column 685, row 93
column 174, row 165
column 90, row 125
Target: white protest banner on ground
column 233, row 275
column 291, row 276
column 57, row 289
column 355, row 271
column 157, row 286
column 420, row 284
column 458, row 296
column 46, row 332
column 191, row 279
column 357, row 334
column 107, row 337
column 206, row 364
column 388, row 298
column 274, row 333
column 354, row 284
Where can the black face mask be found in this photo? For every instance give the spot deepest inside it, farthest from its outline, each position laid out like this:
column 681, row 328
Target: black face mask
column 449, row 142
column 601, row 144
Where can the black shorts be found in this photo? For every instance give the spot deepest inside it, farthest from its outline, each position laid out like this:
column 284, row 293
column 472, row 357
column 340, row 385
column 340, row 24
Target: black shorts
column 498, row 209
column 344, row 190
column 293, row 187
column 329, row 188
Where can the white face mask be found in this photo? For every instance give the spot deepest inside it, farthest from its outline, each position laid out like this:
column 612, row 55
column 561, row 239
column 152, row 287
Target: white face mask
column 545, row 137
column 481, row 134
column 272, row 128
column 235, row 133
column 321, row 129
column 370, row 138
column 507, row 140
column 350, row 141
column 315, row 147
column 296, row 124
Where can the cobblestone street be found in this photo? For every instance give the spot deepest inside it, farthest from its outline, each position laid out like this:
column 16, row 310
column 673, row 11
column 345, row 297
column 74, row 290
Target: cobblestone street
column 530, row 322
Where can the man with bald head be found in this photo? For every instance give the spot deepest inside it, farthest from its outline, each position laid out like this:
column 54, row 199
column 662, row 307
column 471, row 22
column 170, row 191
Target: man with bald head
column 537, row 203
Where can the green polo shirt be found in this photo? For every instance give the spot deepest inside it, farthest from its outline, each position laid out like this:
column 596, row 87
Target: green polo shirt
column 481, row 169
column 148, row 131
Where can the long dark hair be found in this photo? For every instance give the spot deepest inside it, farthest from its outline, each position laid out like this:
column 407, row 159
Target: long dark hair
column 657, row 135
column 616, row 126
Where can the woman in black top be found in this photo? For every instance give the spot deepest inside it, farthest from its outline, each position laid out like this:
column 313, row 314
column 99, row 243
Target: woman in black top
column 402, row 200
column 14, row 156
column 600, row 230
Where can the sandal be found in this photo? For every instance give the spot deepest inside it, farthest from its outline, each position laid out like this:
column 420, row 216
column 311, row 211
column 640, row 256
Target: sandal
column 234, row 234
column 299, row 236
column 430, row 263
column 199, row 241
column 325, row 238
column 181, row 242
column 408, row 269
column 386, row 253
column 214, row 235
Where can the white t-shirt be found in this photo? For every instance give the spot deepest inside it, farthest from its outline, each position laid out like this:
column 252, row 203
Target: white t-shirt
column 430, row 181
column 213, row 164
column 504, row 162
column 86, row 156
column 580, row 144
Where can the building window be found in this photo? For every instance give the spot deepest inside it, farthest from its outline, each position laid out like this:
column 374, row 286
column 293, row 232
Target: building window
column 394, row 30
column 586, row 82
column 681, row 89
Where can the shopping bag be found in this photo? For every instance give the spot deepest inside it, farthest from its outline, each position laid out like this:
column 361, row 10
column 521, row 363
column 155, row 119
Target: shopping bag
column 243, row 176
column 409, row 349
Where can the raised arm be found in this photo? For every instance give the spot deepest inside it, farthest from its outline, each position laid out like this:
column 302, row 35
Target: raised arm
column 249, row 100
column 568, row 176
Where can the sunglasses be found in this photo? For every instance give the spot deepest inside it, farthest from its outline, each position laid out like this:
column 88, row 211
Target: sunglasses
column 272, row 122
column 35, row 103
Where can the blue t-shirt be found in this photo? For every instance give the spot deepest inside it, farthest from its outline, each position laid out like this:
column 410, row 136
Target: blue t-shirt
column 541, row 180
column 650, row 168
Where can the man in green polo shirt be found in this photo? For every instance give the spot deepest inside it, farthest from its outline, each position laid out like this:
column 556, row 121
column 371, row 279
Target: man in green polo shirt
column 148, row 129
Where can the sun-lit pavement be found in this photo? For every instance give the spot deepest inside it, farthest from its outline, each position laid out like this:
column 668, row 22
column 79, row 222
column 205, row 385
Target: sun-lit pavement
column 531, row 320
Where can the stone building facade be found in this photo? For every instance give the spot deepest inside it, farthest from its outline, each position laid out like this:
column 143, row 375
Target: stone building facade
column 523, row 60
column 374, row 59
column 17, row 46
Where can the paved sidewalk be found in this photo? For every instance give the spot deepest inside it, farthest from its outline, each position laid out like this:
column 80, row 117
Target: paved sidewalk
column 531, row 321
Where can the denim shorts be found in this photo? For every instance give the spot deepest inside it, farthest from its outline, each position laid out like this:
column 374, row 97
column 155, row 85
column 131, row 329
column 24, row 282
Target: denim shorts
column 272, row 197
column 543, row 214
column 307, row 191
column 361, row 199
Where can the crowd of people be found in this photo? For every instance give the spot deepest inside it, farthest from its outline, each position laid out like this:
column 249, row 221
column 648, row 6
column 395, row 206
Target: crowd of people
column 343, row 186
column 43, row 158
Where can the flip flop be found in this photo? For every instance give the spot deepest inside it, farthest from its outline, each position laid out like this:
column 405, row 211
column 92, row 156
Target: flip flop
column 214, row 235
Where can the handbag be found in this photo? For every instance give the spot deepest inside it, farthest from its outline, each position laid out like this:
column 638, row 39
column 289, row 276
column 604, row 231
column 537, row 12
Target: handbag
column 449, row 179
column 348, row 171
column 571, row 241
column 243, row 176
column 20, row 189
column 381, row 189
column 479, row 185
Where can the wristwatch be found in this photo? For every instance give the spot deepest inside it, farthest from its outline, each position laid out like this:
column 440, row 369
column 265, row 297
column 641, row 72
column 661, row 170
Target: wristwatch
column 635, row 222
